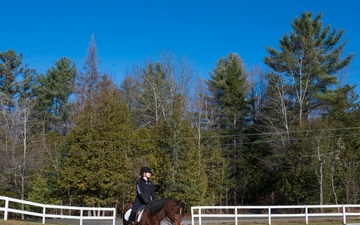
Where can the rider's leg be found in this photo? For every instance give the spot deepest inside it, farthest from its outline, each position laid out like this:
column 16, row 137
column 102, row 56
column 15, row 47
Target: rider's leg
column 134, row 210
column 132, row 216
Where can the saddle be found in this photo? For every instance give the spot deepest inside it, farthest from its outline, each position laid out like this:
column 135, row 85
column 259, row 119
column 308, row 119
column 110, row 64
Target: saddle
column 137, row 216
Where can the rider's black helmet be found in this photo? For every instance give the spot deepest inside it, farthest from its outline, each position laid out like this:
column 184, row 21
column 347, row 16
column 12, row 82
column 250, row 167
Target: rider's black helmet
column 144, row 169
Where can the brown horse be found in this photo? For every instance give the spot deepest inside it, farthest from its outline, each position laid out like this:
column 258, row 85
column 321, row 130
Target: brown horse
column 157, row 210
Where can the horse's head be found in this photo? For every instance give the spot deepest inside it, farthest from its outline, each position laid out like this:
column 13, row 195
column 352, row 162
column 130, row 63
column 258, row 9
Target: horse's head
column 174, row 211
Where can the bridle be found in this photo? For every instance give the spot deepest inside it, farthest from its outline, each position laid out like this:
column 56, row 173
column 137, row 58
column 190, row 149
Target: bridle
column 175, row 213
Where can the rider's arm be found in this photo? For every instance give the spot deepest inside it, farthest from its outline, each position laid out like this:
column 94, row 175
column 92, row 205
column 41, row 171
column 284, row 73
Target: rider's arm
column 140, row 192
column 152, row 194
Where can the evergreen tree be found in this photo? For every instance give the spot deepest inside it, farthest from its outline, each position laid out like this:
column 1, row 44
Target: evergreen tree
column 307, row 65
column 228, row 89
column 96, row 167
column 11, row 70
column 345, row 117
column 301, row 84
column 52, row 114
column 54, row 93
column 208, row 150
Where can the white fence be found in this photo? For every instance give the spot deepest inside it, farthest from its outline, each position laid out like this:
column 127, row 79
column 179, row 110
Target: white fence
column 269, row 213
column 77, row 212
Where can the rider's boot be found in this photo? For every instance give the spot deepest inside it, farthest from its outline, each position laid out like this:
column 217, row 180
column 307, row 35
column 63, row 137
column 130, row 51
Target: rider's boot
column 131, row 217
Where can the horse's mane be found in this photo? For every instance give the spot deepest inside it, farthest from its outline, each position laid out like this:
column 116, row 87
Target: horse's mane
column 155, row 206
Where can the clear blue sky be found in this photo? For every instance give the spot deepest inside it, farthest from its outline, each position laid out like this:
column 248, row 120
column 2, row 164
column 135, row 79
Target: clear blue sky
column 129, row 32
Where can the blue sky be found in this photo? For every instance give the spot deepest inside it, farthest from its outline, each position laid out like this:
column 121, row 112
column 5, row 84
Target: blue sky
column 129, row 32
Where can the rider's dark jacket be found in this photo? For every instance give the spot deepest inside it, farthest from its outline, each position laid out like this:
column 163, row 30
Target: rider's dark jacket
column 145, row 191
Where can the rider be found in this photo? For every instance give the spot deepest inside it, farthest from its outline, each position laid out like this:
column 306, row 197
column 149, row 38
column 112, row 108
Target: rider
column 145, row 192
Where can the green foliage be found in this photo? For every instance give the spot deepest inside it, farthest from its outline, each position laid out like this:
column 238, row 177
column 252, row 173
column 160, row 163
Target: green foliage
column 53, row 93
column 190, row 178
column 41, row 192
column 302, row 147
column 228, row 90
column 228, row 87
column 216, row 169
column 307, row 64
column 96, row 162
column 301, row 93
column 11, row 69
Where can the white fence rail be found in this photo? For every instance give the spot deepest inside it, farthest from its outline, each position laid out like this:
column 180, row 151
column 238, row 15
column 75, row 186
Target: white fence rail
column 79, row 211
column 271, row 212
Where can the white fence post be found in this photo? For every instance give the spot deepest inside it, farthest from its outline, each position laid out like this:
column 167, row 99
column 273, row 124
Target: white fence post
column 6, row 208
column 114, row 215
column 269, row 213
column 199, row 216
column 344, row 214
column 81, row 216
column 236, row 216
column 44, row 215
column 192, row 216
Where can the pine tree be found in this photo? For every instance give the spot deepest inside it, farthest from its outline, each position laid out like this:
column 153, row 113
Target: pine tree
column 307, row 65
column 228, row 88
column 11, row 70
column 97, row 164
column 302, row 84
column 55, row 89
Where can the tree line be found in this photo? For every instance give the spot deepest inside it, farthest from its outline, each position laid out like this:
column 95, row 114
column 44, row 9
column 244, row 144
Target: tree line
column 287, row 135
